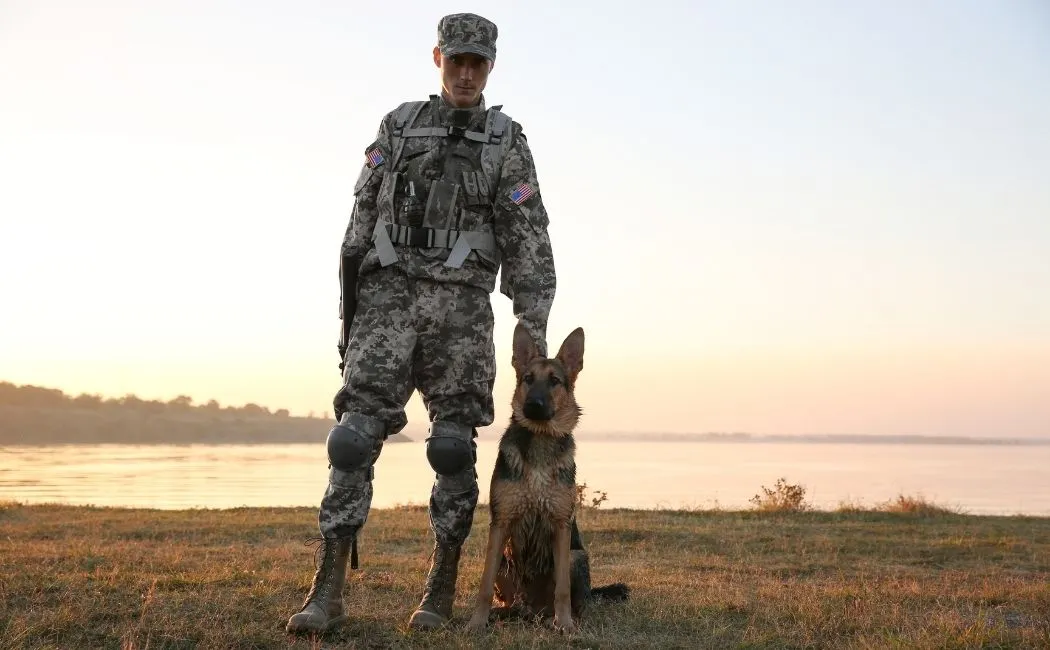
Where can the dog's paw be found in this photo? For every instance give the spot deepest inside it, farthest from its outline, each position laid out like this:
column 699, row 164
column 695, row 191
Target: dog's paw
column 477, row 623
column 566, row 625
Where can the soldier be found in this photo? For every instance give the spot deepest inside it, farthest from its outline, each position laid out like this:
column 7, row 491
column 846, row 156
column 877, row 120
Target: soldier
column 446, row 196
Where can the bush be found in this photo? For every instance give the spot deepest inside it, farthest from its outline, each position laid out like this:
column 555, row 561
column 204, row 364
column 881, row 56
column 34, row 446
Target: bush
column 915, row 506
column 596, row 501
column 784, row 497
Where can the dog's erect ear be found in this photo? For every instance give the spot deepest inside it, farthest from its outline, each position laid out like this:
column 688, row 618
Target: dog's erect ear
column 571, row 353
column 524, row 350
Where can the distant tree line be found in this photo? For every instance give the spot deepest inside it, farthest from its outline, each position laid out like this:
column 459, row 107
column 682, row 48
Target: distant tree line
column 38, row 396
column 38, row 415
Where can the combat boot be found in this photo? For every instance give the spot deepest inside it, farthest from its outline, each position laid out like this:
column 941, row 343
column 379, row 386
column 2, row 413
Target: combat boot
column 323, row 608
column 435, row 609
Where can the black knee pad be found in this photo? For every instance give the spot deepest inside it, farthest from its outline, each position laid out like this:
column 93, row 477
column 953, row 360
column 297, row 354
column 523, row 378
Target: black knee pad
column 352, row 442
column 450, row 447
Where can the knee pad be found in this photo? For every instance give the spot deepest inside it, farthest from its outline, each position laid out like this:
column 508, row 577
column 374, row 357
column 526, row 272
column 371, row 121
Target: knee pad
column 352, row 442
column 450, row 447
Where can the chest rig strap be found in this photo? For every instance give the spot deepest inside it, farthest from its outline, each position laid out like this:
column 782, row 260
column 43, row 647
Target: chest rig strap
column 489, row 136
column 444, row 132
column 386, row 234
column 461, row 242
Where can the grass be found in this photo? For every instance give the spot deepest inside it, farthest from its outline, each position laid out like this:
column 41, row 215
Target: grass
column 83, row 577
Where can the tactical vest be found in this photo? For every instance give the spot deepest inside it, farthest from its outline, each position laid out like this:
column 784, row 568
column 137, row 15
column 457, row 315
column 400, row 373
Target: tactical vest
column 453, row 212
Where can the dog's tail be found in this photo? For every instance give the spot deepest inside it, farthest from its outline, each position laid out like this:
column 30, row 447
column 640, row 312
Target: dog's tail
column 617, row 591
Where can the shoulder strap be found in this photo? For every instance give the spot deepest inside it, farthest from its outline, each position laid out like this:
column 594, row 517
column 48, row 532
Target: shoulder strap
column 494, row 150
column 406, row 114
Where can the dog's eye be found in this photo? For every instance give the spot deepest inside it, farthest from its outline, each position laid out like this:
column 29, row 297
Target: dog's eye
column 529, row 378
column 553, row 380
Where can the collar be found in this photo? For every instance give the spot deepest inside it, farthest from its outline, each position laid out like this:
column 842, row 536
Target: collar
column 479, row 107
column 444, row 111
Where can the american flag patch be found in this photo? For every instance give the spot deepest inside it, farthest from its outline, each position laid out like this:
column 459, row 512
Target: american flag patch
column 375, row 157
column 521, row 193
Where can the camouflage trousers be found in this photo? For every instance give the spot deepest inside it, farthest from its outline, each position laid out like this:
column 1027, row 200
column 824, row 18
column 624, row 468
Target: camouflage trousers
column 413, row 334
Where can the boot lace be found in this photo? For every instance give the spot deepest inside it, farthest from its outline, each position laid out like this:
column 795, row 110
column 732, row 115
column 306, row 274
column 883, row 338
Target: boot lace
column 324, row 563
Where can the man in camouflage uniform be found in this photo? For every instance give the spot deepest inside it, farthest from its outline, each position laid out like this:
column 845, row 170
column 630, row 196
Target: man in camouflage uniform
column 447, row 194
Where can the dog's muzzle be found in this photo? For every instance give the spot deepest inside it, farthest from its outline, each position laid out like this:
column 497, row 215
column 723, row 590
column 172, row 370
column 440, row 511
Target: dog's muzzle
column 537, row 407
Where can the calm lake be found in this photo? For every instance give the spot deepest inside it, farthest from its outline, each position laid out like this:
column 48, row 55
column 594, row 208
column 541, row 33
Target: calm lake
column 980, row 479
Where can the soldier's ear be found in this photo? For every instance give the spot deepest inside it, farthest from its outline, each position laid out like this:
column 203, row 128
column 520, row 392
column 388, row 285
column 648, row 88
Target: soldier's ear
column 437, row 56
column 524, row 349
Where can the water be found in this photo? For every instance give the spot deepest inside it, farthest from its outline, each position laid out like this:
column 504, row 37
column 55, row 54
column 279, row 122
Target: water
column 979, row 479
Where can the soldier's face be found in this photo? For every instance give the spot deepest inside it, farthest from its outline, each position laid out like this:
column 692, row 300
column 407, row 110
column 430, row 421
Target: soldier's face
column 463, row 77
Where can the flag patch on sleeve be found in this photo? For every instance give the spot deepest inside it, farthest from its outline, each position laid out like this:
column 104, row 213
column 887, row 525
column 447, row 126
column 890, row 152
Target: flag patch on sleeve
column 375, row 157
column 521, row 193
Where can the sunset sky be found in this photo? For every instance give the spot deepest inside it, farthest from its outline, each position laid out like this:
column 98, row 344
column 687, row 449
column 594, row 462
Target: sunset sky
column 780, row 218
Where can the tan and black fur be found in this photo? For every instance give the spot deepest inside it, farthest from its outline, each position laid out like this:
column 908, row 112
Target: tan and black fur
column 535, row 558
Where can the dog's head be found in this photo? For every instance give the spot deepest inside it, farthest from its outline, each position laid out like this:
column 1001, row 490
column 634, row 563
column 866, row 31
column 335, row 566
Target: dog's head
column 544, row 399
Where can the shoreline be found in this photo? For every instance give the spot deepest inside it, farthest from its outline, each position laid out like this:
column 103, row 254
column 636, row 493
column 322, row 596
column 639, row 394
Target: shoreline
column 922, row 510
column 702, row 438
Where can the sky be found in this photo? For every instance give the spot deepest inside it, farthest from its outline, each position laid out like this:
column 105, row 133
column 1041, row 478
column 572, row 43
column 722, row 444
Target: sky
column 778, row 218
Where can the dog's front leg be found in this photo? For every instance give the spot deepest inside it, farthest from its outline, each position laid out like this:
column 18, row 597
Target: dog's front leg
column 486, row 590
column 562, row 593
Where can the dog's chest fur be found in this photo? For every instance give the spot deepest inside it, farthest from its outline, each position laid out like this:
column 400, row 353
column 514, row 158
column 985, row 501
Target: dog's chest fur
column 534, row 473
column 533, row 490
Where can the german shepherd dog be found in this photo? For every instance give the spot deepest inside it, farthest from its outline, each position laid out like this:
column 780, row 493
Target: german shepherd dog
column 535, row 558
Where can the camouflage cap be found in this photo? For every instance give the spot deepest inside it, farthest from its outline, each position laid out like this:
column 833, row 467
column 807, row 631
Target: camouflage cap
column 467, row 33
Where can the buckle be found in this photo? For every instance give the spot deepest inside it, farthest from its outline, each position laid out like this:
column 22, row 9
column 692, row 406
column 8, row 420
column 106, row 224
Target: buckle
column 418, row 237
column 457, row 131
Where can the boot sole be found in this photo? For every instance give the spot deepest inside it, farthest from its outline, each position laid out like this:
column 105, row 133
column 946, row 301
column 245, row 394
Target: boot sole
column 327, row 627
column 424, row 620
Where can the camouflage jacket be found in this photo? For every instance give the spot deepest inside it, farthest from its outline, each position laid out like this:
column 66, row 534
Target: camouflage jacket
column 420, row 189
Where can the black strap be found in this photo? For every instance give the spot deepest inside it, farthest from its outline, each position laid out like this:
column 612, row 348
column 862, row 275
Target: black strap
column 422, row 237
